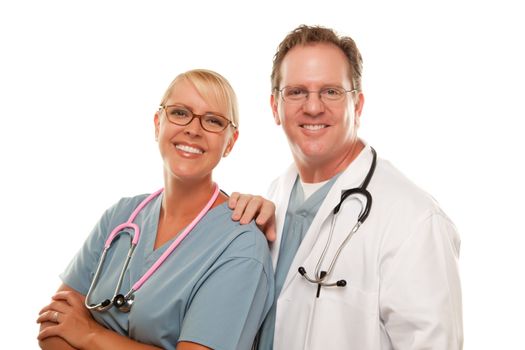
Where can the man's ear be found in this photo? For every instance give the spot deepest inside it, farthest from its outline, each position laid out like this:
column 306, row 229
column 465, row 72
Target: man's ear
column 275, row 109
column 358, row 107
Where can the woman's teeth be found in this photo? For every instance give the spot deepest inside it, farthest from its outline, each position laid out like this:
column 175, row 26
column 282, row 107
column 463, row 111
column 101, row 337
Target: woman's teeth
column 314, row 127
column 189, row 149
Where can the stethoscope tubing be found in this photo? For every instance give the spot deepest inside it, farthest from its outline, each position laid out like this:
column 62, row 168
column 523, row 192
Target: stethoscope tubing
column 130, row 222
column 321, row 276
column 176, row 242
column 122, row 228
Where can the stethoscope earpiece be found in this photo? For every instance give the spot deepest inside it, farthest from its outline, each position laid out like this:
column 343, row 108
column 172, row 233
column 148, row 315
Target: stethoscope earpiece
column 320, row 280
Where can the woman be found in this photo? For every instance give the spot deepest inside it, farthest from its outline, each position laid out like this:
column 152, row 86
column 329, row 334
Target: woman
column 215, row 285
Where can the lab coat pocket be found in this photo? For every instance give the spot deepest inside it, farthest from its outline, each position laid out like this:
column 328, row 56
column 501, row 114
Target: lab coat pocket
column 292, row 323
column 344, row 318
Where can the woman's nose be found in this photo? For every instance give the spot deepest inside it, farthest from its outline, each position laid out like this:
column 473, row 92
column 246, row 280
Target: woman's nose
column 194, row 127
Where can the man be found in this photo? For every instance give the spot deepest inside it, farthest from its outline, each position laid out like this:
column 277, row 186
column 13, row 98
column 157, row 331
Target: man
column 389, row 282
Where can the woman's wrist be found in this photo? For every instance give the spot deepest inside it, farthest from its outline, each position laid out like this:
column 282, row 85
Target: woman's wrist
column 94, row 339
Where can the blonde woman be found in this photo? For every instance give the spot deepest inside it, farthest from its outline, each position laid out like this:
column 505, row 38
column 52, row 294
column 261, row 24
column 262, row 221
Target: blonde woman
column 195, row 279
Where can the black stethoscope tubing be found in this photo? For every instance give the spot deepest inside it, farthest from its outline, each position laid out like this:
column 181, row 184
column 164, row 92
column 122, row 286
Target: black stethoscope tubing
column 363, row 191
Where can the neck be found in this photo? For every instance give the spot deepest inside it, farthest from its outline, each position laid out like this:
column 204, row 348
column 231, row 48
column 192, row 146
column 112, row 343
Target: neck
column 185, row 199
column 313, row 171
column 181, row 204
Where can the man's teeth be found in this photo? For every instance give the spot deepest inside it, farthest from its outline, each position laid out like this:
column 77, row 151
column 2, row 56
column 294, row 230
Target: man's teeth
column 189, row 149
column 314, row 127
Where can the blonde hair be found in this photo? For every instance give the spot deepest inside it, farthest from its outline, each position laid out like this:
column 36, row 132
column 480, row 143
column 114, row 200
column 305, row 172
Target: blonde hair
column 213, row 87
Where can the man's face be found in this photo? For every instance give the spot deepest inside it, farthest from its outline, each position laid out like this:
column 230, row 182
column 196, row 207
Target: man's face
column 319, row 131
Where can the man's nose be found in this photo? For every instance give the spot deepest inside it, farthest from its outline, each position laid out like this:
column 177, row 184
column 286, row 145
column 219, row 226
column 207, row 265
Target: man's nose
column 313, row 104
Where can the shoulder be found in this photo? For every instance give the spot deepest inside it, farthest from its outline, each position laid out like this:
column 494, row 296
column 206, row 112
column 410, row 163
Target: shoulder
column 394, row 191
column 240, row 240
column 115, row 215
column 122, row 209
column 402, row 210
column 130, row 203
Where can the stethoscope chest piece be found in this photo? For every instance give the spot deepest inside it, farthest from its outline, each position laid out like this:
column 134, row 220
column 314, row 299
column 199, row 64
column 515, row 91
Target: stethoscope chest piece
column 123, row 303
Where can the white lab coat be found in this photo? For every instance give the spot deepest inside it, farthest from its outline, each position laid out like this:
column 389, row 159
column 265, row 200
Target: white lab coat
column 401, row 267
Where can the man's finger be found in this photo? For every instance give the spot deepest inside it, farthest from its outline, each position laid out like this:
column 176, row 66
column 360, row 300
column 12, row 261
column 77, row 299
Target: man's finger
column 252, row 210
column 271, row 232
column 240, row 207
column 266, row 212
column 232, row 201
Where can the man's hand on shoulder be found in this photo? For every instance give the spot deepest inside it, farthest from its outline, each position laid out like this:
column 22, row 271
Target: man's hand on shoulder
column 248, row 207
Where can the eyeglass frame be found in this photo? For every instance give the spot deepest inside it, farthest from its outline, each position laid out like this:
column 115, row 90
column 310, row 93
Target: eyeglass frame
column 198, row 116
column 317, row 91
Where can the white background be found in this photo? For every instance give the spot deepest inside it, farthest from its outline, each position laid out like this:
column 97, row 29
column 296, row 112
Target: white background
column 80, row 82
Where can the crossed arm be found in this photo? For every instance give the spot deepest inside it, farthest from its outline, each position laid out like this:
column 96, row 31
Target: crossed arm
column 66, row 324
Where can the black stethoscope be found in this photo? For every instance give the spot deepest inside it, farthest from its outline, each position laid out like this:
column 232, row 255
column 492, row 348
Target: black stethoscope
column 320, row 280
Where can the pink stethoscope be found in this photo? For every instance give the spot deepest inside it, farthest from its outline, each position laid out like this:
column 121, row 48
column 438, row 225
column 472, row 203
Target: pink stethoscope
column 124, row 302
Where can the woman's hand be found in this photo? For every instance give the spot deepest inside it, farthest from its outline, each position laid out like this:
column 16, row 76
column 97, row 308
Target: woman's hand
column 247, row 207
column 66, row 324
column 70, row 319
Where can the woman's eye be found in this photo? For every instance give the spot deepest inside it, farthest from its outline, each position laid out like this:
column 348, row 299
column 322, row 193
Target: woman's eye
column 180, row 113
column 211, row 119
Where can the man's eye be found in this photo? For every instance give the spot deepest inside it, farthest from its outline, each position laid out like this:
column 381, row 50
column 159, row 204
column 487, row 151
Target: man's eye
column 295, row 92
column 331, row 92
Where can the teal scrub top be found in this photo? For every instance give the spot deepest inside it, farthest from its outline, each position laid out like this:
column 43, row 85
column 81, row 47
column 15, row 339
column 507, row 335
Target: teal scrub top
column 299, row 216
column 215, row 288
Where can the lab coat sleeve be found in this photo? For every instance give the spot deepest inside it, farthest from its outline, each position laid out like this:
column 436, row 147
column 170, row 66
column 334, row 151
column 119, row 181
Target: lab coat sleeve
column 420, row 293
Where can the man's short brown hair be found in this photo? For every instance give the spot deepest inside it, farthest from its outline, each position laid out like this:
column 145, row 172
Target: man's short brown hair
column 305, row 35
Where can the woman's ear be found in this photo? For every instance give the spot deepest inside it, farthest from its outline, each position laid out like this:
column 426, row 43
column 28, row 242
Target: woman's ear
column 231, row 142
column 156, row 121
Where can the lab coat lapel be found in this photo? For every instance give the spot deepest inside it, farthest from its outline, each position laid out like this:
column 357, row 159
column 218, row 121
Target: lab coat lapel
column 281, row 193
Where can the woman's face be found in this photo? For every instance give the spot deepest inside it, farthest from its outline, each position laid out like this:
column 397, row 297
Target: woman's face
column 189, row 152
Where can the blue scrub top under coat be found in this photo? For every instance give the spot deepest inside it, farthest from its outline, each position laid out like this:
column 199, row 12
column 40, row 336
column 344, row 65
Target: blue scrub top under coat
column 299, row 216
column 215, row 288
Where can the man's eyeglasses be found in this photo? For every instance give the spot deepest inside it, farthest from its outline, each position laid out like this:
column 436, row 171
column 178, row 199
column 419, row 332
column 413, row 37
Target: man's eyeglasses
column 180, row 115
column 296, row 94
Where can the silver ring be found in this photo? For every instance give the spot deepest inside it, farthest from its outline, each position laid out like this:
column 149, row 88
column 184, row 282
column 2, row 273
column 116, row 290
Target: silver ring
column 55, row 317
